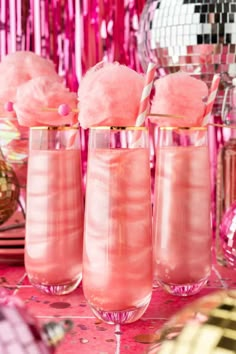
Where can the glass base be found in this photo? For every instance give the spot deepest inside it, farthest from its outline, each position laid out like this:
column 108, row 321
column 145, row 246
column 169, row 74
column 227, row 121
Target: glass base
column 155, row 284
column 56, row 289
column 121, row 317
column 183, row 289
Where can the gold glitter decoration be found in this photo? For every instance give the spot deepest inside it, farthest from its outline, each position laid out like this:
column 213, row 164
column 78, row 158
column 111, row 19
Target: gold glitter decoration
column 9, row 191
column 207, row 326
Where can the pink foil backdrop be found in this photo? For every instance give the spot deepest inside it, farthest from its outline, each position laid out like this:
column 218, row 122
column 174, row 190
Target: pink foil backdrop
column 75, row 34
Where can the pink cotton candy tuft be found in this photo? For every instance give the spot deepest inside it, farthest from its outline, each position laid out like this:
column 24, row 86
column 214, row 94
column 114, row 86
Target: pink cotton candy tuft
column 179, row 94
column 20, row 67
column 31, row 64
column 109, row 94
column 36, row 98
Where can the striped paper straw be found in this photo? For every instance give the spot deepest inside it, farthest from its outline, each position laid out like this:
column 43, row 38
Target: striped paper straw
column 209, row 105
column 72, row 139
column 145, row 98
column 211, row 98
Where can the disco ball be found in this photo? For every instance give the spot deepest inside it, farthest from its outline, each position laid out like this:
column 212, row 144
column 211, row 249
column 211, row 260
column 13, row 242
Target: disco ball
column 207, row 325
column 196, row 36
column 22, row 333
column 9, row 191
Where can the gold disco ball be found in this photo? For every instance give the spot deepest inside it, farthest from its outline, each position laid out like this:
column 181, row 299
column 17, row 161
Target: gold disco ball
column 207, row 326
column 9, row 191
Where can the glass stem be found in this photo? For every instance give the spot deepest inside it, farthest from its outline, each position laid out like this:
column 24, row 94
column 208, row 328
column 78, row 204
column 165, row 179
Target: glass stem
column 118, row 338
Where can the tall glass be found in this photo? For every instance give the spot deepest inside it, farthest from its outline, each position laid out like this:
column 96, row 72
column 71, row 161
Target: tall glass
column 54, row 214
column 117, row 254
column 182, row 199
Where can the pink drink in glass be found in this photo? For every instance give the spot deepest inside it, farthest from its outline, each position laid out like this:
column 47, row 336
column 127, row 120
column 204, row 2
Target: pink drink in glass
column 117, row 259
column 54, row 227
column 182, row 230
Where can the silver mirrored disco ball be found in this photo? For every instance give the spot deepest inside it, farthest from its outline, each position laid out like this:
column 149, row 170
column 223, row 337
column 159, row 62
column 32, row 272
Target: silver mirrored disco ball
column 196, row 36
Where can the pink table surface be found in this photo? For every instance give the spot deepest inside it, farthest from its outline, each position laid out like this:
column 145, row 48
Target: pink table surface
column 90, row 336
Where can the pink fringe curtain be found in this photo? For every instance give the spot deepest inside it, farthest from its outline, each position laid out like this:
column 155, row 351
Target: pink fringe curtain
column 75, row 34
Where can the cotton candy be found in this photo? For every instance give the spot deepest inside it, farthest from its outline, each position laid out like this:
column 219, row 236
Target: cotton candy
column 20, row 67
column 36, row 97
column 179, row 94
column 109, row 94
column 31, row 64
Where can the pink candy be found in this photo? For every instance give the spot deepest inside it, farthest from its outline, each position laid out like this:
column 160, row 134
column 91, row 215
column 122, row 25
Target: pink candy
column 37, row 103
column 9, row 106
column 179, row 94
column 64, row 109
column 109, row 94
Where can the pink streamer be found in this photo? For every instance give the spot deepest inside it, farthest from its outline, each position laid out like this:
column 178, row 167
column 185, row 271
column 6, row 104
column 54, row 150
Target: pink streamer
column 3, row 28
column 78, row 41
column 19, row 32
column 13, row 26
column 37, row 26
column 75, row 34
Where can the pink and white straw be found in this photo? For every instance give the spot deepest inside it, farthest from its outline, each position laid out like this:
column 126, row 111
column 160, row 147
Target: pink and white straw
column 211, row 98
column 145, row 98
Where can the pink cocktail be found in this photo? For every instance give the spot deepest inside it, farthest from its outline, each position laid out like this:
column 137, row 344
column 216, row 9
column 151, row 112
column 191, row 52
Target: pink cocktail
column 182, row 230
column 54, row 220
column 117, row 257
